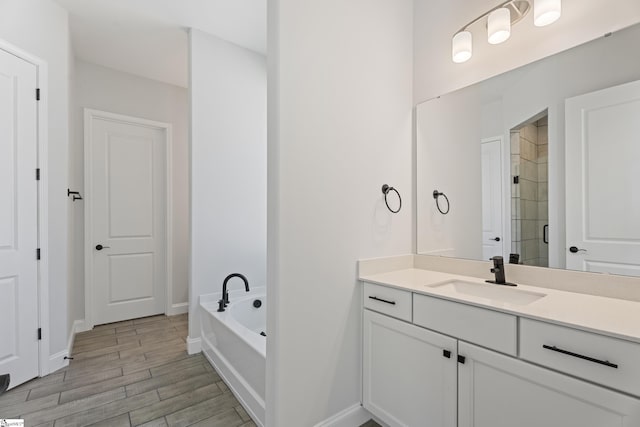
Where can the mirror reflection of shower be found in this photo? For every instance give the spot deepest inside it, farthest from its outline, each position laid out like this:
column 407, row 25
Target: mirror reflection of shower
column 529, row 191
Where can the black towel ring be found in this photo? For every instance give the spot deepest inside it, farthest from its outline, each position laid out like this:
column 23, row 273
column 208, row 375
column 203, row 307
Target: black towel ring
column 437, row 194
column 385, row 190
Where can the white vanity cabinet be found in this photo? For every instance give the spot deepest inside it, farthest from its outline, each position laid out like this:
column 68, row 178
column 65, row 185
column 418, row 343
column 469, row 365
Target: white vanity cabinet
column 409, row 373
column 495, row 390
column 449, row 364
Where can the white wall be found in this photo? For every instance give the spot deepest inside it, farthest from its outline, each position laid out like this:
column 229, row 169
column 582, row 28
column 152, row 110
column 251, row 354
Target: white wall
column 110, row 90
column 450, row 128
column 448, row 134
column 436, row 21
column 72, row 216
column 228, row 167
column 340, row 98
column 40, row 27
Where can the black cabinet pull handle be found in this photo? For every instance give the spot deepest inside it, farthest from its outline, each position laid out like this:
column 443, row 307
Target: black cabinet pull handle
column 580, row 356
column 383, row 300
column 446, row 353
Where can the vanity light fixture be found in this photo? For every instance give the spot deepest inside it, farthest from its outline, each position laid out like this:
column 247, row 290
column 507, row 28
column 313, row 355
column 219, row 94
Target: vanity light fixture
column 462, row 46
column 499, row 25
column 546, row 12
column 499, row 21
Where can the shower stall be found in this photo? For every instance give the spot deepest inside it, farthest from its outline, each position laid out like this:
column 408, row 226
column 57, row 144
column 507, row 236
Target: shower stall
column 529, row 192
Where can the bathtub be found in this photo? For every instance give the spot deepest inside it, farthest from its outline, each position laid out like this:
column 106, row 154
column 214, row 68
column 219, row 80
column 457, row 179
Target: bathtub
column 231, row 341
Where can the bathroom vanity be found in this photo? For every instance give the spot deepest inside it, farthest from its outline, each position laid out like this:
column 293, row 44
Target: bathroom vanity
column 446, row 350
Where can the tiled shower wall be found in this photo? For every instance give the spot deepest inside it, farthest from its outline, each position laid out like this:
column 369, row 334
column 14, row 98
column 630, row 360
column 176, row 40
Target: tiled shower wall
column 529, row 202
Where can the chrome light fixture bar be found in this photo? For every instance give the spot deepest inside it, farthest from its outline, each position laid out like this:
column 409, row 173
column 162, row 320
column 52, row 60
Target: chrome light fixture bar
column 500, row 19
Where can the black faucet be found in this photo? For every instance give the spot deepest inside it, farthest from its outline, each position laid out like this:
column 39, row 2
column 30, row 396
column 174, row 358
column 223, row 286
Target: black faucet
column 225, row 295
column 498, row 270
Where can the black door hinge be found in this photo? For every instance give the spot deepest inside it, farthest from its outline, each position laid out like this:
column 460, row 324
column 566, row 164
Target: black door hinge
column 37, row 174
column 39, row 333
column 37, row 94
column 38, row 254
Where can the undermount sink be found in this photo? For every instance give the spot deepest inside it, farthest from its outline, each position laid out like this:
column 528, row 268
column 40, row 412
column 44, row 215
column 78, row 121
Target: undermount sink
column 493, row 293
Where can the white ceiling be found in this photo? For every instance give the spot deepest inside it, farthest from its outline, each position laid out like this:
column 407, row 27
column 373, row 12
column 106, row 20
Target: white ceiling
column 149, row 38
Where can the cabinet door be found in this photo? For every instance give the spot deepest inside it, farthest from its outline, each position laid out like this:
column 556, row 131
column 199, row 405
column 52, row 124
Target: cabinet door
column 499, row 391
column 407, row 378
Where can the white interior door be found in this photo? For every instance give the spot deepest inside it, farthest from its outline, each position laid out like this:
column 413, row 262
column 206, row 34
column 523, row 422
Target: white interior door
column 18, row 220
column 602, row 176
column 491, row 160
column 127, row 237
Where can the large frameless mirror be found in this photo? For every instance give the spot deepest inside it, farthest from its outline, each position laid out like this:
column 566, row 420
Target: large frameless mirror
column 539, row 164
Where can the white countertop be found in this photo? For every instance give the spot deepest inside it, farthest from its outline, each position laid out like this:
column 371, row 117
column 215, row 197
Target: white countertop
column 609, row 316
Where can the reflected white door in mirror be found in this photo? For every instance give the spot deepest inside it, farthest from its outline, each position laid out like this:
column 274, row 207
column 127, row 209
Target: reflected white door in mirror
column 492, row 197
column 603, row 201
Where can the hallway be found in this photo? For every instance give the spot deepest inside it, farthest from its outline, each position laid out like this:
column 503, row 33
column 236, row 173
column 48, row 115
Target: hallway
column 129, row 373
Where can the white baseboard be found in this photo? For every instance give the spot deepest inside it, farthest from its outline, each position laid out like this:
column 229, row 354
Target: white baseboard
column 180, row 308
column 194, row 345
column 79, row 326
column 72, row 338
column 76, row 326
column 58, row 361
column 352, row 416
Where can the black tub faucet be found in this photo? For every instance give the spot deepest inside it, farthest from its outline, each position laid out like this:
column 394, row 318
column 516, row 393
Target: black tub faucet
column 498, row 270
column 225, row 295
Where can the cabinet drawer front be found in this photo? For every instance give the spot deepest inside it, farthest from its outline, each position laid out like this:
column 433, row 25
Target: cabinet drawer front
column 390, row 301
column 609, row 361
column 487, row 328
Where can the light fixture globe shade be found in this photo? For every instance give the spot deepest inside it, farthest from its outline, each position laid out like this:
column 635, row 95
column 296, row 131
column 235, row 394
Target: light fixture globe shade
column 462, row 47
column 546, row 12
column 499, row 25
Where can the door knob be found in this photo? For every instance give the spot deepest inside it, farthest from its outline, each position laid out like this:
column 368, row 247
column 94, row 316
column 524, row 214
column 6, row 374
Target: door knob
column 574, row 249
column 100, row 247
column 497, row 239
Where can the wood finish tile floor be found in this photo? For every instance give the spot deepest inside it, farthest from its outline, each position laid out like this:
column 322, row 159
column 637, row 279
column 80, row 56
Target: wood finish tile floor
column 132, row 373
